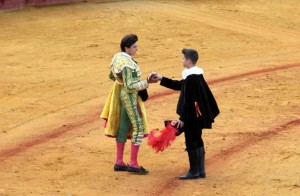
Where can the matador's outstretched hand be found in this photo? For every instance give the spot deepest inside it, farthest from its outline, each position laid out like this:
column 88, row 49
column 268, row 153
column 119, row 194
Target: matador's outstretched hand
column 152, row 77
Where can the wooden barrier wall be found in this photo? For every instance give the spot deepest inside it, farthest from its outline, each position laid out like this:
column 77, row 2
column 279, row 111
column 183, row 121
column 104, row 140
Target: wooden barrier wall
column 18, row 4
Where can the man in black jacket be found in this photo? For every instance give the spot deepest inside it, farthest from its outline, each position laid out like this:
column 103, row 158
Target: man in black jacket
column 197, row 109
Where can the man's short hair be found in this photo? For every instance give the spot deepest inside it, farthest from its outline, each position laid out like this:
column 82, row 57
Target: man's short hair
column 128, row 41
column 190, row 54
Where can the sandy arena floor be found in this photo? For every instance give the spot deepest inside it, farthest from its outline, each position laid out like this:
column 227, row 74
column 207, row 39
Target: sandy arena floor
column 54, row 81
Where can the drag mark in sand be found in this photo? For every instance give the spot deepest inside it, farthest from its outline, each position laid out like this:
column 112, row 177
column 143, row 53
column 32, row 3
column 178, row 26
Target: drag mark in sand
column 230, row 78
column 235, row 149
column 256, row 138
column 57, row 132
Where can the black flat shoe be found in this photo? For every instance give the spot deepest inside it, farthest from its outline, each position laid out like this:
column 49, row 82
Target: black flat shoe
column 120, row 167
column 138, row 170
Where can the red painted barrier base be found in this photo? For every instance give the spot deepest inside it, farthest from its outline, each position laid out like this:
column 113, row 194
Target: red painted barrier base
column 18, row 4
column 49, row 2
column 12, row 4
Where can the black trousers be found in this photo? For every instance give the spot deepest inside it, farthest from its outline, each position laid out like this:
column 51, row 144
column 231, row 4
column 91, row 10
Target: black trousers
column 193, row 136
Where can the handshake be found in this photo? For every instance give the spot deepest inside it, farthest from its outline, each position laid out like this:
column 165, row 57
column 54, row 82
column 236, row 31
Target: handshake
column 154, row 77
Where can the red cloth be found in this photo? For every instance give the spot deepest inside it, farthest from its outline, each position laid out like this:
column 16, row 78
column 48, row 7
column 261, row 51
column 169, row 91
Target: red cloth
column 160, row 140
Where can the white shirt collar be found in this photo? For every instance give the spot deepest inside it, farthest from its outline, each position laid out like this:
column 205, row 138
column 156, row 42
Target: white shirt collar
column 193, row 70
column 127, row 55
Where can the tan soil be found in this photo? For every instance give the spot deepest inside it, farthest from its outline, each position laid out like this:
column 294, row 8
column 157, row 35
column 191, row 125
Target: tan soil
column 54, row 79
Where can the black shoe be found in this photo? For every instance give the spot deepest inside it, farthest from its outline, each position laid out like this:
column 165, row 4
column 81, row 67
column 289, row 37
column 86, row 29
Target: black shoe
column 189, row 175
column 138, row 170
column 120, row 167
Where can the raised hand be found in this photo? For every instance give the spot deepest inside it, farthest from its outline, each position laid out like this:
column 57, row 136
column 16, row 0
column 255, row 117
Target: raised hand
column 151, row 78
column 157, row 77
column 177, row 123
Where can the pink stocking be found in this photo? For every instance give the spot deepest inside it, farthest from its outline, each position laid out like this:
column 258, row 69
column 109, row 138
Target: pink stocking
column 134, row 154
column 120, row 151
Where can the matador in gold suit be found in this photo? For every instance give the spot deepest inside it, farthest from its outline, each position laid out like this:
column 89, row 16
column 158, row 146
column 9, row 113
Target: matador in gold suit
column 124, row 110
column 127, row 83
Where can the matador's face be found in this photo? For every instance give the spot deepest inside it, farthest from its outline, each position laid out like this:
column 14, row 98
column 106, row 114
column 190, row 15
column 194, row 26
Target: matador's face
column 132, row 50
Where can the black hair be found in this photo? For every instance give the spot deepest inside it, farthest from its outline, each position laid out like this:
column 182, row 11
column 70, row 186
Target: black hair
column 190, row 54
column 128, row 41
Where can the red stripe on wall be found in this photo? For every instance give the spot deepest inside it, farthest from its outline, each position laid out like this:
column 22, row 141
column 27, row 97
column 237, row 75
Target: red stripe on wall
column 12, row 4
column 17, row 4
